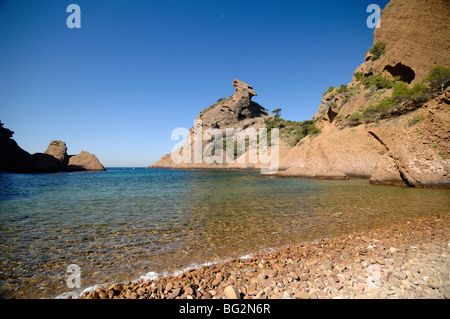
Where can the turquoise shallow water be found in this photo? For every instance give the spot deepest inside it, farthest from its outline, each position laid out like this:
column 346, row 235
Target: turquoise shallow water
column 121, row 224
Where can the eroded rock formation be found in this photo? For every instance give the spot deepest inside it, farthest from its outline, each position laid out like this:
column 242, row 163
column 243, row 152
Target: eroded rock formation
column 237, row 112
column 406, row 143
column 14, row 159
column 84, row 162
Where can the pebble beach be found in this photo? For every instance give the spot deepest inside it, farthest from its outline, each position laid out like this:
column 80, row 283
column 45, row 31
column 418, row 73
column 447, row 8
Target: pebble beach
column 407, row 260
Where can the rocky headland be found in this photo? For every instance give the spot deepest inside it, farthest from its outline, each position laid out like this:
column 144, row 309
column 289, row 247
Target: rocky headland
column 14, row 159
column 390, row 124
column 237, row 112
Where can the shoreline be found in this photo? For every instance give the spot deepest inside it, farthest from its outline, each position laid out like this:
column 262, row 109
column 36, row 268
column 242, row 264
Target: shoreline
column 280, row 175
column 408, row 260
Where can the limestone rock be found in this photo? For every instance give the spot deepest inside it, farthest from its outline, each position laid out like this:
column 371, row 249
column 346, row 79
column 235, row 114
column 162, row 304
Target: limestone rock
column 44, row 163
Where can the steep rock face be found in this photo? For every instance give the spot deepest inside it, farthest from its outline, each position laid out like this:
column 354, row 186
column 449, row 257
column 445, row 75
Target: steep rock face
column 15, row 159
column 58, row 150
column 409, row 145
column 333, row 154
column 11, row 155
column 391, row 151
column 84, row 162
column 416, row 37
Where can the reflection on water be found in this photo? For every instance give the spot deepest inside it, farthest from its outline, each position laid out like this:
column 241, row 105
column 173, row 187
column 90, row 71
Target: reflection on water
column 123, row 223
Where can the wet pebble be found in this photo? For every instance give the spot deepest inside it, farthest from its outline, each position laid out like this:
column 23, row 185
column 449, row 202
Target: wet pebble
column 342, row 267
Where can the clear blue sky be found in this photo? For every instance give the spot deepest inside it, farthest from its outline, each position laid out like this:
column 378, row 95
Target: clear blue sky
column 136, row 70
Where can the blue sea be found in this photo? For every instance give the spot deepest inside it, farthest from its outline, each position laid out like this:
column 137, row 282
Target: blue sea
column 125, row 224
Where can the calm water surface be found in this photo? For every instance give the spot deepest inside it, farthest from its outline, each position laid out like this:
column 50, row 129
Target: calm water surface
column 121, row 224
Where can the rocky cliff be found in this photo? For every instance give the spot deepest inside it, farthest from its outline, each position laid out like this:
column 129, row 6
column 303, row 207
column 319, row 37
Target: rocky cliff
column 235, row 112
column 14, row 159
column 390, row 124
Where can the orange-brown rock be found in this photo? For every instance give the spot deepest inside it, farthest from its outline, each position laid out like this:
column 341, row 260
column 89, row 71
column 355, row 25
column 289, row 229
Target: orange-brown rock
column 389, row 151
column 408, row 146
column 416, row 37
column 237, row 112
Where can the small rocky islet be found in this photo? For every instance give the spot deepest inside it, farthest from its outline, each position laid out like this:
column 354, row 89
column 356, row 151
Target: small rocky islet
column 401, row 261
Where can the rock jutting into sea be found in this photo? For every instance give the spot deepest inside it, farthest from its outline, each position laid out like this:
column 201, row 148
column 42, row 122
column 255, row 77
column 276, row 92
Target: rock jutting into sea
column 14, row 159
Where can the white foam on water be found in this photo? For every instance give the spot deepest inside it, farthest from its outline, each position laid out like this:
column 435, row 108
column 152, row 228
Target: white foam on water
column 152, row 275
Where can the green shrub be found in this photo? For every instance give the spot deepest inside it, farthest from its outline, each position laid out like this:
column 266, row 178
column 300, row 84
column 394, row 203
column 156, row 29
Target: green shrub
column 378, row 50
column 354, row 118
column 374, row 112
column 401, row 93
column 277, row 113
column 349, row 93
column 330, row 89
column 292, row 132
column 358, row 75
column 437, row 78
column 342, row 89
column 379, row 81
column 312, row 129
column 415, row 119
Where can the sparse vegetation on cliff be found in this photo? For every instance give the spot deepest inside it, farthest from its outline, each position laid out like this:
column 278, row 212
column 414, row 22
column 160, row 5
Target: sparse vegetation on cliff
column 438, row 79
column 415, row 119
column 358, row 75
column 221, row 100
column 377, row 50
column 291, row 132
column 401, row 94
column 330, row 89
column 378, row 81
